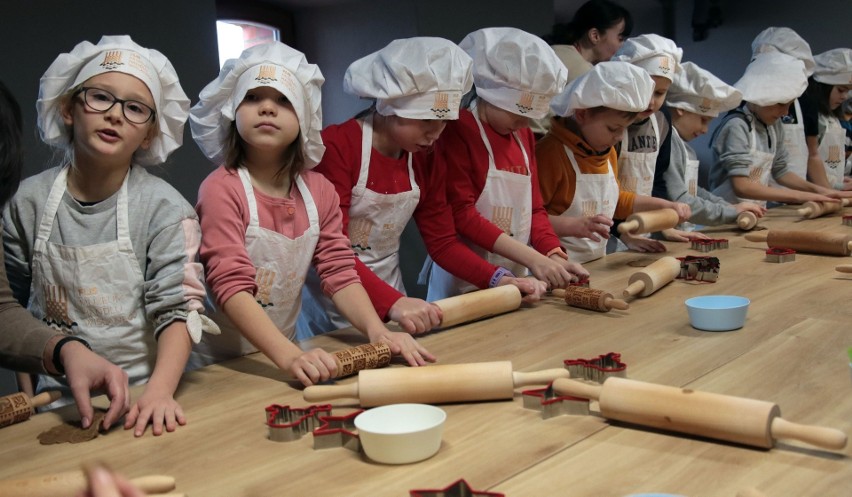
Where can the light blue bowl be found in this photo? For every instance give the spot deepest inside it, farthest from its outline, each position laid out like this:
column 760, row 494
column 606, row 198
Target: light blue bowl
column 717, row 312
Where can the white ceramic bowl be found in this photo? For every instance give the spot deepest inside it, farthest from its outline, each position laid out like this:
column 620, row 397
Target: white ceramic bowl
column 717, row 312
column 401, row 433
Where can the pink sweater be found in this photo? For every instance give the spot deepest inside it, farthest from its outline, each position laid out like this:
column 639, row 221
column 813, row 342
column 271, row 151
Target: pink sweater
column 223, row 210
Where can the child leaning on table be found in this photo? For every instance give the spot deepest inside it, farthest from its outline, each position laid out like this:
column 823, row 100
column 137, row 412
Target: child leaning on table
column 266, row 217
column 577, row 161
column 748, row 147
column 489, row 157
column 101, row 249
column 695, row 98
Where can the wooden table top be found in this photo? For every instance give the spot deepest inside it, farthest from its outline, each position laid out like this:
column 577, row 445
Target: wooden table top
column 791, row 352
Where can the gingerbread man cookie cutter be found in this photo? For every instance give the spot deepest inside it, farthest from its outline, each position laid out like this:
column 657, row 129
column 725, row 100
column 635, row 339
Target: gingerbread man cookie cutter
column 459, row 488
column 699, row 268
column 597, row 369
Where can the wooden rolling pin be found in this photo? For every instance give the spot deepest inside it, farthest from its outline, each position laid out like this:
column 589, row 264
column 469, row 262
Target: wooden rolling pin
column 652, row 278
column 746, row 220
column 478, row 305
column 72, row 483
column 812, row 242
column 19, row 407
column 724, row 417
column 843, row 268
column 811, row 209
column 434, row 384
column 589, row 298
column 367, row 356
column 649, row 221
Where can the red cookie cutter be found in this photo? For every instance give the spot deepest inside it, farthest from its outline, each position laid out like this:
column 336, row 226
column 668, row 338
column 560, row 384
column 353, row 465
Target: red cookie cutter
column 460, row 488
column 597, row 369
column 779, row 254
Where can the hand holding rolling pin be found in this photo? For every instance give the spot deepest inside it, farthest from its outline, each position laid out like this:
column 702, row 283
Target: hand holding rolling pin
column 415, row 316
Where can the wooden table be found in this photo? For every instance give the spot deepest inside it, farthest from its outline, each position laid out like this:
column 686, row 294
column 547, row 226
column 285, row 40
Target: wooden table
column 791, row 351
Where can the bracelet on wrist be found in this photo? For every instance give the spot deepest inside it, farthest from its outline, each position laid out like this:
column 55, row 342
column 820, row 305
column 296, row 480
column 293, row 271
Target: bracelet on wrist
column 498, row 275
column 57, row 361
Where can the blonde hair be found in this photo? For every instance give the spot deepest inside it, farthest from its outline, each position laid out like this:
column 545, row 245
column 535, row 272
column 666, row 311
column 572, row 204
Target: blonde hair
column 292, row 163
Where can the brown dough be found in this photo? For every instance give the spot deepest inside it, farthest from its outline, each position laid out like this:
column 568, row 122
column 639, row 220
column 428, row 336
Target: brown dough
column 72, row 432
column 643, row 262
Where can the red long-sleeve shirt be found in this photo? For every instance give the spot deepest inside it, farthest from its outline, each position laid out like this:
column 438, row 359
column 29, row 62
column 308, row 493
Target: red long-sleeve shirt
column 341, row 164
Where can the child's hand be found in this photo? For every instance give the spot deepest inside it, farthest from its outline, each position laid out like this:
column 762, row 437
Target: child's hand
column 574, row 268
column 313, row 366
column 595, row 228
column 101, row 482
column 415, row 315
column 826, row 196
column 552, row 271
column 755, row 209
column 675, row 235
column 160, row 409
column 684, row 212
column 531, row 288
column 405, row 345
column 847, row 184
column 642, row 244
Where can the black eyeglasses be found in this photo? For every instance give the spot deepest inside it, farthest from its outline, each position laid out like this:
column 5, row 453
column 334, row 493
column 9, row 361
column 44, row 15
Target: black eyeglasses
column 101, row 101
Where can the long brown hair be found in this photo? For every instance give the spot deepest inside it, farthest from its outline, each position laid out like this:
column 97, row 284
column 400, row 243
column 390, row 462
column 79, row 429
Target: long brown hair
column 292, row 163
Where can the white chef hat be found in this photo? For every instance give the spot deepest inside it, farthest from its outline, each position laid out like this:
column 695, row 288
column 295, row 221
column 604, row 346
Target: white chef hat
column 786, row 41
column 514, row 70
column 834, row 67
column 616, row 85
column 416, row 78
column 697, row 90
column 773, row 78
column 658, row 55
column 270, row 64
column 115, row 54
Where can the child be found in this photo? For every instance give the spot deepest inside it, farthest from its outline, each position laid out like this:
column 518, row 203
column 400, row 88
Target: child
column 824, row 135
column 489, row 156
column 266, row 217
column 649, row 133
column 748, row 146
column 694, row 99
column 381, row 164
column 578, row 166
column 787, row 41
column 127, row 284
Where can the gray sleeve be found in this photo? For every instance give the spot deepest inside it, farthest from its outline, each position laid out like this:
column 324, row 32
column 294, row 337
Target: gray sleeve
column 780, row 165
column 19, row 224
column 706, row 208
column 732, row 150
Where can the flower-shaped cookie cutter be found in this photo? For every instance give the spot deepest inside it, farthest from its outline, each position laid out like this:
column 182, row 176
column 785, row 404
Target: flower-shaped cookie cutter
column 552, row 404
column 597, row 369
column 460, row 488
column 699, row 268
column 287, row 424
column 779, row 254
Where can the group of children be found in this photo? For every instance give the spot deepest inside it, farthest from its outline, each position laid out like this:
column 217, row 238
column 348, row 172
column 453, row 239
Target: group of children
column 301, row 225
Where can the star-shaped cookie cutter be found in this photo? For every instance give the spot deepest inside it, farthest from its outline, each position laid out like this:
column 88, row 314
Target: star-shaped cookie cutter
column 552, row 404
column 699, row 268
column 597, row 369
column 287, row 424
column 338, row 431
column 460, row 488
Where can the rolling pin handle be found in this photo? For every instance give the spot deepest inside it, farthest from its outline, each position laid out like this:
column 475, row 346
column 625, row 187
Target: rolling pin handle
column 154, row 484
column 634, row 289
column 760, row 236
column 574, row 388
column 843, row 268
column 543, row 377
column 558, row 292
column 849, row 246
column 45, row 398
column 827, row 438
column 628, row 226
column 617, row 304
column 321, row 393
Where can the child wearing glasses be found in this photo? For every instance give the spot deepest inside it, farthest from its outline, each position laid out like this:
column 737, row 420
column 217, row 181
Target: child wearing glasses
column 97, row 247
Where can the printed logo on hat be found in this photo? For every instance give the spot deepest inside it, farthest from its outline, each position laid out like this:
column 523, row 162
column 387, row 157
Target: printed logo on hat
column 137, row 62
column 441, row 107
column 705, row 105
column 112, row 59
column 525, row 103
column 266, row 74
column 665, row 65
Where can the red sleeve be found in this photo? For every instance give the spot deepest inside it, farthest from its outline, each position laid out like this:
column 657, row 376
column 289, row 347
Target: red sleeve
column 435, row 221
column 542, row 236
column 341, row 165
column 463, row 157
column 223, row 213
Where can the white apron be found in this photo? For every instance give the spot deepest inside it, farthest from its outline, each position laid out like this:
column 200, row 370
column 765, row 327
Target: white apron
column 690, row 178
column 797, row 147
column 505, row 201
column 95, row 292
column 759, row 171
column 593, row 194
column 281, row 264
column 376, row 222
column 832, row 150
column 636, row 169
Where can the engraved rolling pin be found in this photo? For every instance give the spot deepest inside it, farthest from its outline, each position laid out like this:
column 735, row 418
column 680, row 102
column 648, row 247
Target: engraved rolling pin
column 589, row 298
column 652, row 278
column 434, row 384
column 812, row 242
column 746, row 220
column 811, row 209
column 724, row 417
column 478, row 305
column 73, row 483
column 367, row 356
column 649, row 221
column 19, row 407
